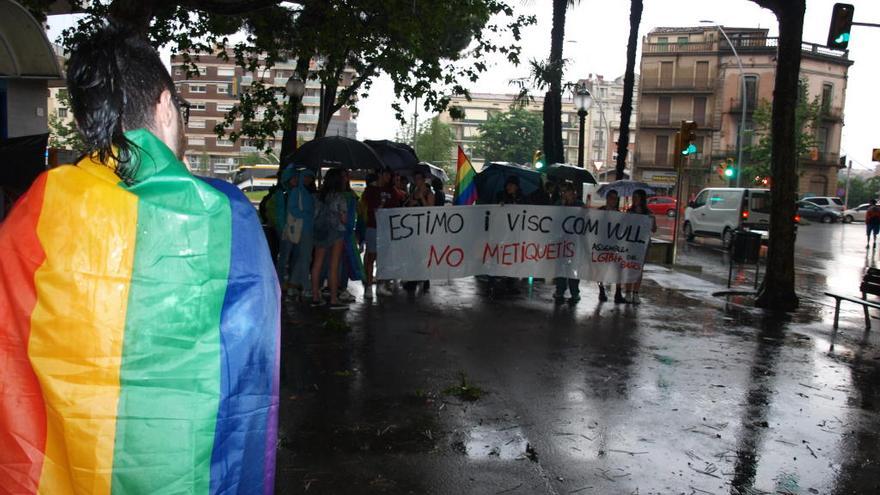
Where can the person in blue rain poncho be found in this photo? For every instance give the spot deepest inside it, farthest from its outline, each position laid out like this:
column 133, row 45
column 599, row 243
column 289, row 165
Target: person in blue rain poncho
column 297, row 238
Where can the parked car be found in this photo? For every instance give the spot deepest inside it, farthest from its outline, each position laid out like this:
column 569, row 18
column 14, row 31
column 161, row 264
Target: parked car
column 856, row 214
column 832, row 202
column 718, row 212
column 811, row 211
column 662, row 205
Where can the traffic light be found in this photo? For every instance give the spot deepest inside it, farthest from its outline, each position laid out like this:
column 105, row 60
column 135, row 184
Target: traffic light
column 538, row 160
column 729, row 171
column 841, row 24
column 688, row 134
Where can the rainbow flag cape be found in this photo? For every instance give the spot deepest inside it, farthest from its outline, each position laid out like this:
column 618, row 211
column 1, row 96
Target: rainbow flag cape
column 139, row 334
column 465, row 187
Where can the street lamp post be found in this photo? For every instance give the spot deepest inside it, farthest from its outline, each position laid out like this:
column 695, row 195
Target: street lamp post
column 582, row 101
column 742, row 125
column 295, row 89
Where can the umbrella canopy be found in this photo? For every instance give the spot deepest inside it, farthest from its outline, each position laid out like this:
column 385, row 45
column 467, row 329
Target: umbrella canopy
column 396, row 156
column 490, row 181
column 625, row 188
column 563, row 171
column 336, row 152
column 428, row 170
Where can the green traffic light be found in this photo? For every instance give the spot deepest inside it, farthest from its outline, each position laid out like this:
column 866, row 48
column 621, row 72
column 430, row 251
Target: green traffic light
column 729, row 172
column 539, row 164
column 690, row 150
column 843, row 38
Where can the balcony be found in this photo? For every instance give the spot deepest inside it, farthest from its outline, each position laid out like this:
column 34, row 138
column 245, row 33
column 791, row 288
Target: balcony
column 655, row 84
column 247, row 80
column 667, row 48
column 668, row 120
column 831, row 114
column 821, row 158
column 311, row 100
column 736, row 105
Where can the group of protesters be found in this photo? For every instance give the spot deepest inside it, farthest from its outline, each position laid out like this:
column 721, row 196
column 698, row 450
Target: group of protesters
column 324, row 230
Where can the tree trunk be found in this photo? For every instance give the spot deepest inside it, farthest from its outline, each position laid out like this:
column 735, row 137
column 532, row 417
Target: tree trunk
column 553, row 149
column 629, row 82
column 777, row 290
column 328, row 108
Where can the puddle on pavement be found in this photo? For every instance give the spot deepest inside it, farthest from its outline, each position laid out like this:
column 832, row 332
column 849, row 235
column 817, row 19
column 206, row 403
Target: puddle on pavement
column 483, row 442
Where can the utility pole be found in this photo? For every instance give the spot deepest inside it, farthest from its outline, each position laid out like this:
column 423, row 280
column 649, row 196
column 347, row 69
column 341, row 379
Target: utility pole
column 846, row 192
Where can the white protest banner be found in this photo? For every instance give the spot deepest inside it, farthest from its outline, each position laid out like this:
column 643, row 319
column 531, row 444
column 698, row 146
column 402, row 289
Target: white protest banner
column 511, row 240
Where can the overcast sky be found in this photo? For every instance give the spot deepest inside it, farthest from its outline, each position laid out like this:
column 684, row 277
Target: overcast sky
column 596, row 34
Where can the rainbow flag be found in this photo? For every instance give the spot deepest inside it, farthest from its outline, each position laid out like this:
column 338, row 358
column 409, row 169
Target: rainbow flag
column 465, row 188
column 139, row 334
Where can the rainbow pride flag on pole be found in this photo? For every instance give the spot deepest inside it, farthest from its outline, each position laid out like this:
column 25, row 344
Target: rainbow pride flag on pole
column 139, row 334
column 465, row 187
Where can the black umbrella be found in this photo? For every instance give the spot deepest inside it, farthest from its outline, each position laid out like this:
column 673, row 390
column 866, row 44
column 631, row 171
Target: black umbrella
column 490, row 181
column 625, row 188
column 396, row 156
column 336, row 152
column 577, row 175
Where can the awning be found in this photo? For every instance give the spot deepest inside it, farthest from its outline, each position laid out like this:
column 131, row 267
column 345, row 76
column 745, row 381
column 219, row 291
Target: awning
column 25, row 52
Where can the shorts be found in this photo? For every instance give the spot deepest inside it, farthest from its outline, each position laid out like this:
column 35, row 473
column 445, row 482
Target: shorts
column 873, row 227
column 371, row 240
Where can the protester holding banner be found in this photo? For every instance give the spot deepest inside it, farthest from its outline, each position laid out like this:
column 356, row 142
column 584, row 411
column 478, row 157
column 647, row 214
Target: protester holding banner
column 439, row 193
column 612, row 203
column 639, row 207
column 510, row 195
column 382, row 195
column 420, row 193
column 568, row 197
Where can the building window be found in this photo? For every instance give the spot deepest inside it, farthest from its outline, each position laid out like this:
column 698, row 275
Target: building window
column 661, row 151
column 224, row 142
column 700, row 110
column 223, row 89
column 197, row 107
column 682, row 40
column 196, row 124
column 822, row 139
column 224, row 107
column 751, row 96
column 827, row 95
column 178, row 71
column 225, row 72
column 62, row 113
column 197, row 88
column 194, row 160
column 195, row 141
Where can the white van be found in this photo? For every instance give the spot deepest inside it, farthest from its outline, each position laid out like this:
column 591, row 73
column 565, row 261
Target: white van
column 717, row 212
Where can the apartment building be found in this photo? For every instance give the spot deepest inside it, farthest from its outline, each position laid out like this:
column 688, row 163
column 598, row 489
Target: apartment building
column 482, row 105
column 691, row 73
column 604, row 116
column 215, row 90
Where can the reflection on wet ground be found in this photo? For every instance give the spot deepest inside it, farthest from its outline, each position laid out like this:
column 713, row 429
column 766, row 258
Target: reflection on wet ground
column 683, row 394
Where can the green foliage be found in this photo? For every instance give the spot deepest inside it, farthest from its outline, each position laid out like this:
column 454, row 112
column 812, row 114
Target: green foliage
column 806, row 123
column 258, row 159
column 860, row 190
column 429, row 49
column 62, row 134
column 512, row 136
column 434, row 142
column 464, row 390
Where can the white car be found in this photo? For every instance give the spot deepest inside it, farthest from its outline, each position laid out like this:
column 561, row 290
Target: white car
column 830, row 202
column 719, row 211
column 856, row 214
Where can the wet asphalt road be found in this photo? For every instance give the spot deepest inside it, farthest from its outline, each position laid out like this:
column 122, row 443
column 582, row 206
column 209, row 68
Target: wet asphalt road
column 686, row 393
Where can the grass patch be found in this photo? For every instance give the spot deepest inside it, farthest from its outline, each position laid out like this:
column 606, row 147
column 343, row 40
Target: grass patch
column 256, row 196
column 464, row 390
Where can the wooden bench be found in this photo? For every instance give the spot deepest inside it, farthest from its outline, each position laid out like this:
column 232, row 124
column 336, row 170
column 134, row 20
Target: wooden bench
column 870, row 285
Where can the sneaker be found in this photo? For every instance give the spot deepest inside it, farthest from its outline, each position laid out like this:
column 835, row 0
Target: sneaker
column 619, row 299
column 316, row 304
column 574, row 299
column 345, row 297
column 383, row 290
column 602, row 296
column 337, row 306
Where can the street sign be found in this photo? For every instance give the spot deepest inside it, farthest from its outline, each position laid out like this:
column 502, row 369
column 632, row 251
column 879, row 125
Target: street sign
column 875, row 155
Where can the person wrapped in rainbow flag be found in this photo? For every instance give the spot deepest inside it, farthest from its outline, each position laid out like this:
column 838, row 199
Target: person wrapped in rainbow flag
column 139, row 314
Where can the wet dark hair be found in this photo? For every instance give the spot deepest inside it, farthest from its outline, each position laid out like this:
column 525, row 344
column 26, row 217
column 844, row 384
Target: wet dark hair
column 437, row 184
column 115, row 79
column 332, row 183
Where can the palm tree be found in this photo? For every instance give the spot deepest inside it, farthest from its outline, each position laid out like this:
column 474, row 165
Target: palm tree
column 629, row 80
column 553, row 149
column 777, row 290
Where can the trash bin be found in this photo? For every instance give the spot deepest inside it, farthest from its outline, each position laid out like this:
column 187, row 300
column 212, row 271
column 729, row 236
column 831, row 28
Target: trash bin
column 745, row 247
